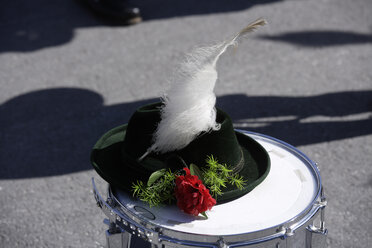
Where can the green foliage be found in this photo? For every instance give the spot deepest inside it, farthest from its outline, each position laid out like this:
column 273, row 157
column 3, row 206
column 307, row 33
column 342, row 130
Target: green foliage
column 204, row 214
column 194, row 170
column 216, row 176
column 158, row 190
column 160, row 186
column 238, row 181
column 155, row 176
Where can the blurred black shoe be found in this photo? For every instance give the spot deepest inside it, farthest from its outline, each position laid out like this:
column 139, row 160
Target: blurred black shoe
column 117, row 10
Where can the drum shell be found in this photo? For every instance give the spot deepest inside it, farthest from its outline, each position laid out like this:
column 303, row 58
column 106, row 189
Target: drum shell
column 302, row 238
column 301, row 235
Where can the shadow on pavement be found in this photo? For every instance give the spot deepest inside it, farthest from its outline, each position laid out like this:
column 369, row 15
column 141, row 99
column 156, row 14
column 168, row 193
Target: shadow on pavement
column 160, row 9
column 321, row 38
column 31, row 25
column 51, row 132
column 303, row 120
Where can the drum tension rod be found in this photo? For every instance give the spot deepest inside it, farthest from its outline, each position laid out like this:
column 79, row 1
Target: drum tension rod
column 322, row 204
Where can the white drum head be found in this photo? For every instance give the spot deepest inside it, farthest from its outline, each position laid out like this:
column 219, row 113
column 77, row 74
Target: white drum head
column 290, row 187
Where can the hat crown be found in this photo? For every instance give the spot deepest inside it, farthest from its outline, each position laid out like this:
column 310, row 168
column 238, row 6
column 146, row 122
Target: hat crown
column 222, row 144
column 140, row 130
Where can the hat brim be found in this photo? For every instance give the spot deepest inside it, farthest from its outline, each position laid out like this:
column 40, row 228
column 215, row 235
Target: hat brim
column 107, row 160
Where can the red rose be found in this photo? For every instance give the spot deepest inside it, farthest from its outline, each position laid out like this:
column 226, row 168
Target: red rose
column 191, row 194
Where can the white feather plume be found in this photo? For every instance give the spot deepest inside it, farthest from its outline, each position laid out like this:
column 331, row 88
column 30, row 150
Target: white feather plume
column 189, row 105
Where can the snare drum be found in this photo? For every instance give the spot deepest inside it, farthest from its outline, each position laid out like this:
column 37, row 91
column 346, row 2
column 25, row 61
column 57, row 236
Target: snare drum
column 280, row 212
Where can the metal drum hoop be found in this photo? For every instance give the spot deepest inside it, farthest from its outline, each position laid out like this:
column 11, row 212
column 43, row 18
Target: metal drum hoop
column 120, row 216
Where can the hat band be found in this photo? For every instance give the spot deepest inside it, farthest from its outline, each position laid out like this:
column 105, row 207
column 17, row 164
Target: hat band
column 239, row 166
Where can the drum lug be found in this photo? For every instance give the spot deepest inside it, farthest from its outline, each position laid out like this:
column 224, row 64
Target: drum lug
column 119, row 239
column 322, row 204
column 289, row 238
column 316, row 236
column 286, row 235
column 221, row 243
column 286, row 232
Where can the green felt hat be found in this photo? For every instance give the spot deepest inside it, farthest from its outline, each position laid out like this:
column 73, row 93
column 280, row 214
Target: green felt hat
column 115, row 155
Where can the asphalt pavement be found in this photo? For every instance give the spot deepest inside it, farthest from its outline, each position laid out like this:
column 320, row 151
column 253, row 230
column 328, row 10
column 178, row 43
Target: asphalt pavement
column 68, row 76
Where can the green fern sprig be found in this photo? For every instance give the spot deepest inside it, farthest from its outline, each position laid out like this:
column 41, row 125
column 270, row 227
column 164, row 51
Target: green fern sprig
column 158, row 192
column 138, row 188
column 216, row 176
column 238, row 181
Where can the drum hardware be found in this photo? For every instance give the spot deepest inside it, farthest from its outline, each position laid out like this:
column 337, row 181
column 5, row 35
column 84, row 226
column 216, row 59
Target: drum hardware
column 120, row 231
column 120, row 226
column 124, row 225
column 317, row 165
column 316, row 236
column 115, row 236
column 222, row 244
